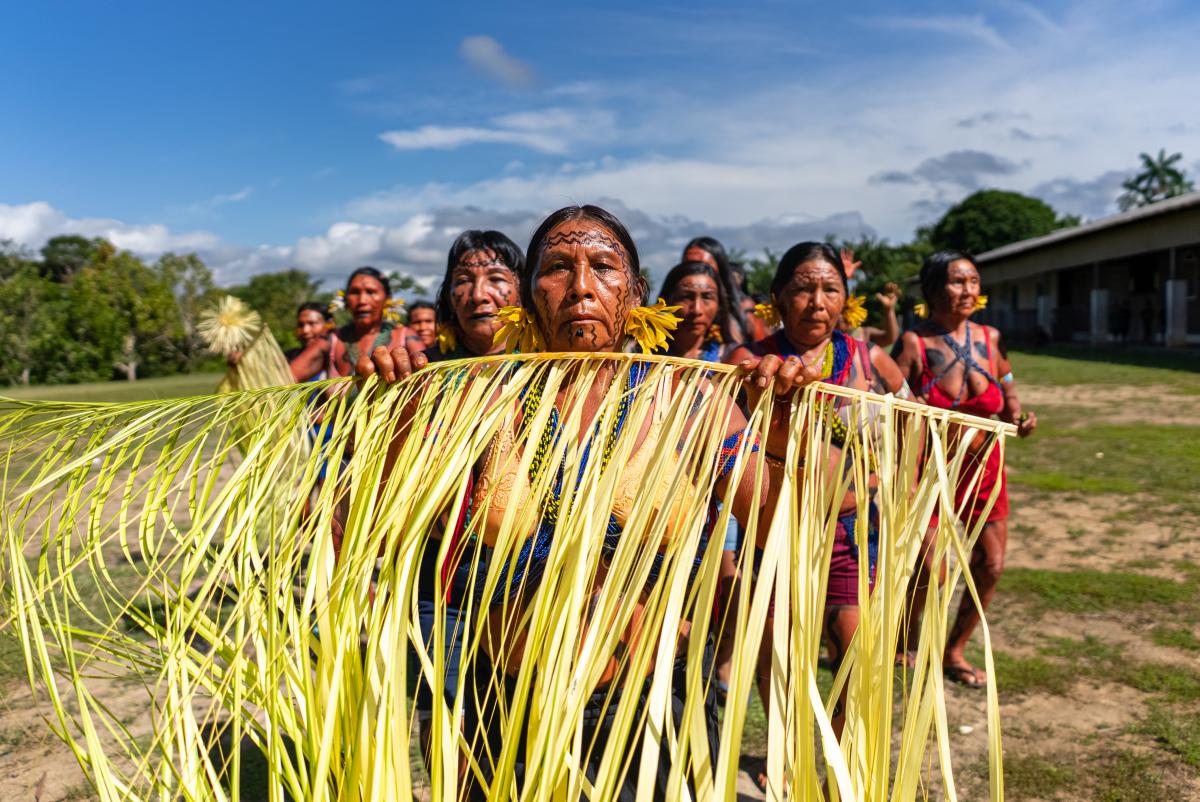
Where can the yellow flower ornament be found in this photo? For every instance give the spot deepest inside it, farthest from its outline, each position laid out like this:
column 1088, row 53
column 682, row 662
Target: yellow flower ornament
column 517, row 332
column 981, row 303
column 855, row 311
column 921, row 310
column 767, row 313
column 651, row 326
column 447, row 340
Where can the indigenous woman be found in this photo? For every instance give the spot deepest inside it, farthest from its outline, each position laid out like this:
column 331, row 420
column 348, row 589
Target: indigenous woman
column 422, row 322
column 313, row 322
column 703, row 333
column 368, row 298
column 710, row 251
column 952, row 364
column 483, row 273
column 809, row 294
column 581, row 286
column 482, row 276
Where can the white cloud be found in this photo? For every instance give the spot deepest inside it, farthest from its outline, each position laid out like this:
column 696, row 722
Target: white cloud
column 973, row 27
column 489, row 57
column 31, row 224
column 550, row 130
column 436, row 137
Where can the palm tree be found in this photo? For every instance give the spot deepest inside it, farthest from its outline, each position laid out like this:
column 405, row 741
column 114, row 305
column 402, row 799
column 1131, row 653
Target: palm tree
column 1158, row 180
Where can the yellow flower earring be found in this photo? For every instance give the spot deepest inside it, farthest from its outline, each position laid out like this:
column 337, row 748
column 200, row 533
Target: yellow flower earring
column 981, row 303
column 767, row 313
column 921, row 310
column 393, row 310
column 651, row 326
column 518, row 332
column 447, row 340
column 855, row 311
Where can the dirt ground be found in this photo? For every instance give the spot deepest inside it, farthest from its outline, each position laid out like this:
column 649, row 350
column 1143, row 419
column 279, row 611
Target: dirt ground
column 1057, row 741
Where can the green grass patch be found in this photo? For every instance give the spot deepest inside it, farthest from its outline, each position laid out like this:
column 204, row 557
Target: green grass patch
column 186, row 384
column 1176, row 638
column 1158, row 460
column 1065, row 365
column 1091, row 591
column 1034, row 777
column 1022, row 675
column 1177, row 733
column 1176, row 683
column 1127, row 777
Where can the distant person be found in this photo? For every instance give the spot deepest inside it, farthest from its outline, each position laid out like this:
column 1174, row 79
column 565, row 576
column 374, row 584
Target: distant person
column 703, row 334
column 314, row 321
column 712, row 252
column 368, row 297
column 951, row 364
column 483, row 270
column 887, row 299
column 422, row 322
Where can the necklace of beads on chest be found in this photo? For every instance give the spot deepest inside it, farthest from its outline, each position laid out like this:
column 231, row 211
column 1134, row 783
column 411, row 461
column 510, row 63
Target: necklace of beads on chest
column 549, row 435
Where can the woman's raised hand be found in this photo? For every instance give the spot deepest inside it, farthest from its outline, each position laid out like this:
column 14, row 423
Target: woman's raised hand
column 391, row 364
column 788, row 374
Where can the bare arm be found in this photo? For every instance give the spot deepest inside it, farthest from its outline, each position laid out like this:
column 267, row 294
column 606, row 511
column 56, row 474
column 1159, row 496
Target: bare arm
column 311, row 361
column 891, row 327
column 1012, row 404
column 888, row 378
column 907, row 358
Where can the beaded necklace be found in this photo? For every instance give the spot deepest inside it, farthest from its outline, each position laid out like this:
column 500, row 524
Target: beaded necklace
column 527, row 567
column 550, row 435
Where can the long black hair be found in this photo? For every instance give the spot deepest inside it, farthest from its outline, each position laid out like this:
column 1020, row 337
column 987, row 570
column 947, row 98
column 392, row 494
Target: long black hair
column 803, row 252
column 315, row 306
column 504, row 248
column 733, row 294
column 684, row 269
column 935, row 272
column 373, row 273
column 533, row 254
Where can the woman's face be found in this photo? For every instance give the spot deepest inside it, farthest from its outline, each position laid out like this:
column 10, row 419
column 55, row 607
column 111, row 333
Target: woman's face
column 962, row 288
column 310, row 325
column 583, row 290
column 698, row 254
column 811, row 303
column 423, row 323
column 365, row 298
column 698, row 302
column 479, row 285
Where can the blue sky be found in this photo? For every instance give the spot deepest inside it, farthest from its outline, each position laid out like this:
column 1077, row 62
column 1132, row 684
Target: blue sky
column 269, row 135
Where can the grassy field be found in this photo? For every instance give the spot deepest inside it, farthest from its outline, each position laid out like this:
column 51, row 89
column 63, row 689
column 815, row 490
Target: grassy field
column 165, row 387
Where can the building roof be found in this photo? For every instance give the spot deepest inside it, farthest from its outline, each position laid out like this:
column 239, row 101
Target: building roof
column 1124, row 218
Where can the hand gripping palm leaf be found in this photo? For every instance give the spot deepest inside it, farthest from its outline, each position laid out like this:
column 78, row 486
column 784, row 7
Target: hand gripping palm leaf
column 166, row 544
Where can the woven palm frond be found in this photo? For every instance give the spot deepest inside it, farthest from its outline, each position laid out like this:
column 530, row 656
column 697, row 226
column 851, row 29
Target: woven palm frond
column 166, row 543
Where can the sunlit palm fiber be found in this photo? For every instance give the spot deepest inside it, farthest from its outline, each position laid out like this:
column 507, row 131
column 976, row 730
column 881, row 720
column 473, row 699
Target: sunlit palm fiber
column 168, row 542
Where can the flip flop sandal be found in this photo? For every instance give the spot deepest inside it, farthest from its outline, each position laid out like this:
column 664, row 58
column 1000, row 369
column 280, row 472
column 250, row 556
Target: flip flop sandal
column 964, row 675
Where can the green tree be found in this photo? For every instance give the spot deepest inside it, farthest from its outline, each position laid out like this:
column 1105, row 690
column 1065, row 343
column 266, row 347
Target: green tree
column 275, row 296
column 31, row 322
column 191, row 285
column 124, row 317
column 1158, row 180
column 992, row 218
column 760, row 272
column 64, row 256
